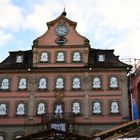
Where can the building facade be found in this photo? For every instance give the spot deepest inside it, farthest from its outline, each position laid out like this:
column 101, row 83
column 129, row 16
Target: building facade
column 62, row 83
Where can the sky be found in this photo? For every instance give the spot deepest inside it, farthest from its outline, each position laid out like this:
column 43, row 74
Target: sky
column 108, row 24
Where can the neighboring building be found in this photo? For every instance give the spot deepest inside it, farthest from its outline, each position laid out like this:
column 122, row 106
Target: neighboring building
column 134, row 78
column 62, row 83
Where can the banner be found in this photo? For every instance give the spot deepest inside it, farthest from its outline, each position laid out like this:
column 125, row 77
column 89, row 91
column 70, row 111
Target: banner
column 135, row 113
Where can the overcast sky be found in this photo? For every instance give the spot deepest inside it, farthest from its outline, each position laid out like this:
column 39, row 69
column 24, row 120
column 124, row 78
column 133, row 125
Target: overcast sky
column 108, row 24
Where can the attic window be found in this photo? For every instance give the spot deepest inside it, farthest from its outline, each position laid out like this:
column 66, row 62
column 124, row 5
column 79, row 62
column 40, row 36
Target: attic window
column 101, row 58
column 19, row 58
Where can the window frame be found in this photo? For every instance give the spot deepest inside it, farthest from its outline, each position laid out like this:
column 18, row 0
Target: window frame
column 101, row 105
column 41, row 55
column 72, row 55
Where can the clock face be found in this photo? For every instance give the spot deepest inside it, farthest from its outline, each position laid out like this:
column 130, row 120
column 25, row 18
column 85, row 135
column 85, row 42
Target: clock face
column 61, row 30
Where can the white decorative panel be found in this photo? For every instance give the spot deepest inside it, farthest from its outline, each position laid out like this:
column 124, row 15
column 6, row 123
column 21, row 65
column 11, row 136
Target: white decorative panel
column 3, row 109
column 42, row 83
column 114, row 107
column 96, row 83
column 76, row 83
column 41, row 108
column 22, row 84
column 21, row 109
column 60, row 57
column 5, row 83
column 76, row 57
column 44, row 57
column 76, row 109
column 19, row 59
column 113, row 82
column 96, row 107
column 59, row 83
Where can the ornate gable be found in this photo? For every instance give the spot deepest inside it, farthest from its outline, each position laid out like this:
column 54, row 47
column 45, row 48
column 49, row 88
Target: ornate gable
column 49, row 38
column 61, row 45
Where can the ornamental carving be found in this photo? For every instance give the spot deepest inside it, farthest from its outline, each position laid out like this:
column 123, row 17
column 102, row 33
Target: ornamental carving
column 59, row 94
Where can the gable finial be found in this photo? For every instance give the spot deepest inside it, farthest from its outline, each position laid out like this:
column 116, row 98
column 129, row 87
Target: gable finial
column 64, row 12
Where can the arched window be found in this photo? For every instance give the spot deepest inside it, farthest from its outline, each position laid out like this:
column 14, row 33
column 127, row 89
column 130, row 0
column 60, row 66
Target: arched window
column 44, row 57
column 76, row 108
column 5, row 84
column 114, row 107
column 60, row 57
column 96, row 83
column 19, row 58
column 96, row 107
column 76, row 83
column 59, row 83
column 22, row 85
column 41, row 108
column 58, row 110
column 21, row 109
column 113, row 82
column 42, row 84
column 3, row 109
column 76, row 57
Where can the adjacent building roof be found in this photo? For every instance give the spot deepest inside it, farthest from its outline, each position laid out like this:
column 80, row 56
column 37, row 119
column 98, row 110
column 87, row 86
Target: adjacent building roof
column 54, row 134
column 10, row 61
column 111, row 61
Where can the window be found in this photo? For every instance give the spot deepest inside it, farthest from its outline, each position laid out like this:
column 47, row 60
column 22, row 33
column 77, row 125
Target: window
column 60, row 57
column 96, row 107
column 58, row 110
column 114, row 107
column 41, row 108
column 3, row 109
column 59, row 84
column 19, row 58
column 101, row 58
column 5, row 84
column 76, row 108
column 76, row 57
column 22, row 85
column 20, row 109
column 96, row 83
column 76, row 83
column 113, row 82
column 42, row 84
column 44, row 57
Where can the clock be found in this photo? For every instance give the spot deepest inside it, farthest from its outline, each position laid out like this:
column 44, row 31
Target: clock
column 61, row 30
